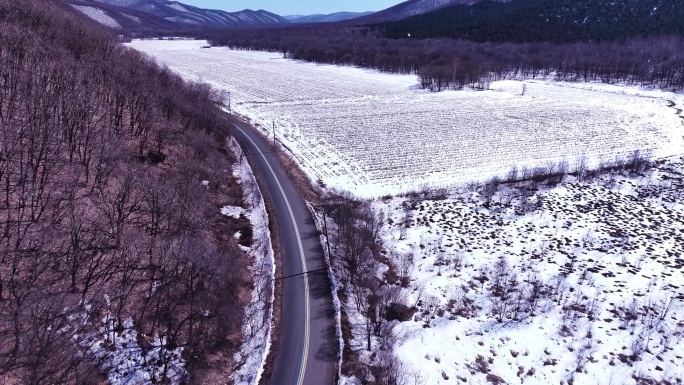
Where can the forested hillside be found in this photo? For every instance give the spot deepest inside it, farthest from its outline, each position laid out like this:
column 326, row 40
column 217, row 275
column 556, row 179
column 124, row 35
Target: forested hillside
column 179, row 14
column 453, row 64
column 559, row 21
column 114, row 258
column 409, row 8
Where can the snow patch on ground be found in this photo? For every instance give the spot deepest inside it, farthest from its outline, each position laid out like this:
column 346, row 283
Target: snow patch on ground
column 121, row 358
column 258, row 321
column 234, row 211
column 98, row 15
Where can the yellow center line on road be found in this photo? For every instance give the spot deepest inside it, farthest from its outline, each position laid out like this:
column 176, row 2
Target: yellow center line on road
column 305, row 356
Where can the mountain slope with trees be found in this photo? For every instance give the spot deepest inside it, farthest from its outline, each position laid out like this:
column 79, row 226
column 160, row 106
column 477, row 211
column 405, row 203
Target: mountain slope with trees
column 320, row 18
column 161, row 16
column 559, row 21
column 409, row 8
column 183, row 13
column 105, row 218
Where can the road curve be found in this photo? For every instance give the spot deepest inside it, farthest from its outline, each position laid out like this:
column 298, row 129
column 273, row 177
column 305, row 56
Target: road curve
column 308, row 346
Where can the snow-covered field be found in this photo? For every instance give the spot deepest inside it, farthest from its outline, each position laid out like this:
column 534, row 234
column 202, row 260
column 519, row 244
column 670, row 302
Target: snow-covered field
column 374, row 134
column 583, row 286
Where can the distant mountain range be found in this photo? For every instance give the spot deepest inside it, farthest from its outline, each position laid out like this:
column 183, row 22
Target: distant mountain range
column 410, row 8
column 397, row 12
column 142, row 14
column 331, row 18
column 166, row 16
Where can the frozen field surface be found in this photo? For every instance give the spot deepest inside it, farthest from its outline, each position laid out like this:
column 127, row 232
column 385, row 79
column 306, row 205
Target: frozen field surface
column 374, row 134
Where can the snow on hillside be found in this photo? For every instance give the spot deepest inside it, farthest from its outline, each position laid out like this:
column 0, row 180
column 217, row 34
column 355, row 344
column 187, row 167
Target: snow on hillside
column 413, row 8
column 131, row 17
column 374, row 134
column 321, row 18
column 179, row 7
column 425, row 6
column 120, row 3
column 98, row 15
column 119, row 355
column 268, row 19
column 178, row 19
column 580, row 283
column 224, row 15
column 246, row 16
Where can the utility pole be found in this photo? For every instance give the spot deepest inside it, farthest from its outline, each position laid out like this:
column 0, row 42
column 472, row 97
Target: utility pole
column 274, row 135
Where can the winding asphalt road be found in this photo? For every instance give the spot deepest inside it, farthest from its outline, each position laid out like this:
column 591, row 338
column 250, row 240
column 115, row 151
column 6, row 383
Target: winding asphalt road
column 307, row 352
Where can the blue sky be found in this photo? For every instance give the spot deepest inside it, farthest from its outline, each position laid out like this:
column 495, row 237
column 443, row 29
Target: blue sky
column 295, row 7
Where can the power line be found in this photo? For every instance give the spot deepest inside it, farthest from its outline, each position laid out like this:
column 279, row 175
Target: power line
column 306, row 272
column 248, row 153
